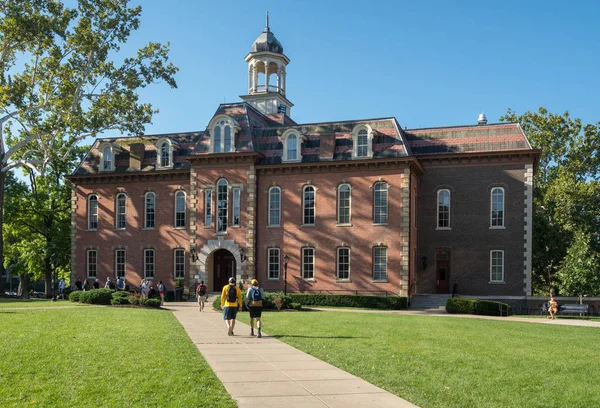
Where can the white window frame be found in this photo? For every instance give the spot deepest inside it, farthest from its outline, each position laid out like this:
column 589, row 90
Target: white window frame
column 237, row 206
column 377, row 263
column 170, row 145
column 113, row 150
column 208, row 207
column 501, row 225
column 222, row 122
column 337, row 263
column 300, row 138
column 146, row 212
column 501, row 251
column 118, row 213
column 304, row 264
column 92, row 217
column 117, row 262
column 146, row 264
column 88, row 252
column 275, row 190
column 383, row 219
column 314, row 206
column 181, row 253
column 272, row 264
column 437, row 209
column 339, row 202
column 222, row 213
column 359, row 131
column 110, row 160
column 178, row 194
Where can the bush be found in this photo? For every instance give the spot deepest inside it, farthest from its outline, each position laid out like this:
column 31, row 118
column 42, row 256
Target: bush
column 119, row 301
column 296, row 306
column 152, row 303
column 74, row 296
column 370, row 302
column 97, row 296
column 135, row 299
column 490, row 308
column 460, row 305
column 117, row 295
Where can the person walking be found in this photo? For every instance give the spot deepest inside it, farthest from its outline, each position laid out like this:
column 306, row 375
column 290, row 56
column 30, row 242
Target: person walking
column 201, row 295
column 120, row 283
column 162, row 289
column 231, row 300
column 254, row 302
column 61, row 288
column 109, row 284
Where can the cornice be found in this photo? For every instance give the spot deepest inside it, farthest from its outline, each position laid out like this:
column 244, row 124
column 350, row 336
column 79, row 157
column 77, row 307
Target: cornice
column 107, row 177
column 478, row 158
column 338, row 165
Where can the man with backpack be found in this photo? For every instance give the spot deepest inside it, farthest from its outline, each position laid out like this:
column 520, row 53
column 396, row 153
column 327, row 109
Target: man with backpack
column 254, row 301
column 231, row 300
column 201, row 294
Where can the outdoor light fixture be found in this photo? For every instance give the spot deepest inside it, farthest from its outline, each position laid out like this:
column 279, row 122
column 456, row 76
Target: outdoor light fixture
column 424, row 259
column 243, row 256
column 193, row 254
column 286, row 259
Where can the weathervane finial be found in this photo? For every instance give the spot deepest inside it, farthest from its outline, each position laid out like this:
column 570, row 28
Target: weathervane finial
column 267, row 27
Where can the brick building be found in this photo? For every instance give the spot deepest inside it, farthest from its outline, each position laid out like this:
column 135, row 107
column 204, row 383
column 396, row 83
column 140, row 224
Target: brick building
column 359, row 206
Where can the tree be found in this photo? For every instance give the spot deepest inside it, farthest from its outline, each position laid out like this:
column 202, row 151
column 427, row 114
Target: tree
column 62, row 79
column 566, row 195
column 579, row 272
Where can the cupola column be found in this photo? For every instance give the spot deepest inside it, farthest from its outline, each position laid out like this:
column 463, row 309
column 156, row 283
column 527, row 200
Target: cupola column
column 266, row 76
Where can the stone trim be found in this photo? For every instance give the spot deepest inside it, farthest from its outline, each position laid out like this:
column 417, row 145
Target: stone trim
column 73, row 236
column 528, row 233
column 405, row 232
column 214, row 245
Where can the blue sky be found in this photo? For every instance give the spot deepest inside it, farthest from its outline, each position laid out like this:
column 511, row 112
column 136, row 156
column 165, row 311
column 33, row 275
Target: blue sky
column 428, row 63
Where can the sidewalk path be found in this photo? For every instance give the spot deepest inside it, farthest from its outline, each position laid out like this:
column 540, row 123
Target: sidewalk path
column 267, row 373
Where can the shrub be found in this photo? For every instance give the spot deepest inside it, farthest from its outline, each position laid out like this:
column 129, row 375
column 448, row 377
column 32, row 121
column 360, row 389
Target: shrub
column 490, row 308
column 152, row 303
column 116, row 295
column 74, row 296
column 135, row 299
column 371, row 302
column 97, row 296
column 296, row 306
column 460, row 305
column 119, row 301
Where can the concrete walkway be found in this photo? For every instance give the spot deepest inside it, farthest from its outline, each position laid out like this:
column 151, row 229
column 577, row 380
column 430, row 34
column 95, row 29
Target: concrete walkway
column 267, row 373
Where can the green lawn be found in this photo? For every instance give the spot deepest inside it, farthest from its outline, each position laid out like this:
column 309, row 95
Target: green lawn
column 12, row 303
column 450, row 361
column 102, row 357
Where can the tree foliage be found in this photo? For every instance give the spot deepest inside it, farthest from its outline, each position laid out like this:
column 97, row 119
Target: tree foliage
column 566, row 200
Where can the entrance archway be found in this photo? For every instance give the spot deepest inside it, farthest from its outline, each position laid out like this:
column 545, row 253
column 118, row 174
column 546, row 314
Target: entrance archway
column 224, row 267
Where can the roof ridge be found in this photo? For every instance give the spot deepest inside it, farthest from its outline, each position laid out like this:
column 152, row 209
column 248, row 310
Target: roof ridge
column 465, row 126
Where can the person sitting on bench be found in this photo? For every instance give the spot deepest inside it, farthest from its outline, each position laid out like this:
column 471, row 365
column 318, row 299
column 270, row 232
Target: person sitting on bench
column 552, row 307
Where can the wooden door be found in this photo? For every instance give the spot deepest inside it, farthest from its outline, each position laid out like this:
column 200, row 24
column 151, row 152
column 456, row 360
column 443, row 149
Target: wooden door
column 442, row 271
column 223, row 268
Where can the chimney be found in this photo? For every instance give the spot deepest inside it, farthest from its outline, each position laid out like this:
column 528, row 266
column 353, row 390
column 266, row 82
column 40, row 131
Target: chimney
column 136, row 156
column 482, row 119
column 326, row 146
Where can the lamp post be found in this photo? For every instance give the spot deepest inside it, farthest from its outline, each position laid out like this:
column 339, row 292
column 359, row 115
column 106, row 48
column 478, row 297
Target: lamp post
column 286, row 259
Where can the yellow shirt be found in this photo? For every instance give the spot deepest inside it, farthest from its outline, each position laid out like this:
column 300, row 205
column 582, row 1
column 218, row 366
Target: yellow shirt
column 225, row 303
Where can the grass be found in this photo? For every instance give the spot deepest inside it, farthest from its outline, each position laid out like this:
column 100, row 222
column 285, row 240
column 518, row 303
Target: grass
column 102, row 357
column 450, row 361
column 561, row 317
column 18, row 303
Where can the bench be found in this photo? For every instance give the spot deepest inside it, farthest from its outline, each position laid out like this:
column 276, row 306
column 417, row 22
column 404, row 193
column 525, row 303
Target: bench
column 573, row 309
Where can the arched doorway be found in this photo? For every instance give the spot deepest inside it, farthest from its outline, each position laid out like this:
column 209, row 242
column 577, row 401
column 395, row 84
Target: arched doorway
column 224, row 267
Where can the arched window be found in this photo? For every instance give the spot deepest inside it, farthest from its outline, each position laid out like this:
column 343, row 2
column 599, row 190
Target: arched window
column 343, row 206
column 107, row 158
column 292, row 147
column 150, row 210
column 497, row 209
column 222, row 129
column 120, row 204
column 92, row 212
column 227, row 139
column 274, row 206
column 165, row 155
column 180, row 209
column 292, row 140
column 362, row 140
column 222, row 205
column 380, row 203
column 217, row 140
column 308, row 206
column 443, row 214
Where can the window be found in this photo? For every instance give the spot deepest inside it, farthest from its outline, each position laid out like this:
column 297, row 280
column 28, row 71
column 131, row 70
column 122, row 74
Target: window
column 107, row 158
column 380, row 203
column 92, row 263
column 207, row 207
column 120, row 263
column 308, row 263
column 291, row 145
column 222, row 130
column 362, row 144
column 380, row 264
column 92, row 212
column 180, row 209
column 343, row 263
column 120, row 205
column 179, row 267
column 148, row 263
column 274, row 206
column 273, row 255
column 150, row 210
column 165, row 156
column 227, row 139
column 308, row 205
column 222, row 205
column 236, row 207
column 497, row 266
column 497, row 207
column 344, row 204
column 362, row 141
column 443, row 209
column 217, row 140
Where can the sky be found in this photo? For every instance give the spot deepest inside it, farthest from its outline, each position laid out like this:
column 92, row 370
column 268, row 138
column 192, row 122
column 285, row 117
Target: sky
column 428, row 63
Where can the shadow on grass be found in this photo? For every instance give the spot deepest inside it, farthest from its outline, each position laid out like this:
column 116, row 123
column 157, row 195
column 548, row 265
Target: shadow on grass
column 277, row 336
column 7, row 312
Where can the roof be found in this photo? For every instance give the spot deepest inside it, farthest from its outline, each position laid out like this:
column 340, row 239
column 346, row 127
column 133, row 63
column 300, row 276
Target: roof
column 467, row 139
column 266, row 41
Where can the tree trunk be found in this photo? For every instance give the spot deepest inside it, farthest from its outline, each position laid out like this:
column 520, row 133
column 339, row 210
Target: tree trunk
column 2, row 177
column 48, row 278
column 23, row 290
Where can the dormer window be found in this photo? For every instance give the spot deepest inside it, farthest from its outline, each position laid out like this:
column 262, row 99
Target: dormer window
column 292, row 141
column 164, row 153
column 107, row 155
column 362, row 141
column 222, row 130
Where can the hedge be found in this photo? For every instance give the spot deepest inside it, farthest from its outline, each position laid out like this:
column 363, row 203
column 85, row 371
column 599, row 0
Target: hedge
column 120, row 298
column 152, row 303
column 96, row 296
column 475, row 306
column 74, row 296
column 370, row 302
